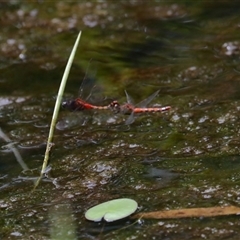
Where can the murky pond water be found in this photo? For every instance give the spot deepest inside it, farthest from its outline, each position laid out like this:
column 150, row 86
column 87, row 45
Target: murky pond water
column 187, row 157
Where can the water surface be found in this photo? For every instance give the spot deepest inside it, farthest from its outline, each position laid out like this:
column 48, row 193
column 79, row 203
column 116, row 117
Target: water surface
column 188, row 157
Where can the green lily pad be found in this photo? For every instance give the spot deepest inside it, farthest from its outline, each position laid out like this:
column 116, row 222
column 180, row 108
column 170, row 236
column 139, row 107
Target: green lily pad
column 112, row 210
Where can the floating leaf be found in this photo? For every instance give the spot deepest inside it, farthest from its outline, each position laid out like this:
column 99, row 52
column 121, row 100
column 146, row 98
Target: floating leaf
column 112, row 210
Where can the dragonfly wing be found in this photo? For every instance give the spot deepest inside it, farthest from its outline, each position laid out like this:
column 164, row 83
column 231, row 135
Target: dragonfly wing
column 146, row 101
column 129, row 98
column 91, row 92
column 130, row 119
column 87, row 87
column 87, row 84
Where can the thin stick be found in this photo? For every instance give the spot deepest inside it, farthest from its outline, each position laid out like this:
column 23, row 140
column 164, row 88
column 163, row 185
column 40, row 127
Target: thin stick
column 14, row 150
column 57, row 107
column 190, row 212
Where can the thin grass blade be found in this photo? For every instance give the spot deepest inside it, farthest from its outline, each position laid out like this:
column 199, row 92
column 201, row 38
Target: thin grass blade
column 57, row 107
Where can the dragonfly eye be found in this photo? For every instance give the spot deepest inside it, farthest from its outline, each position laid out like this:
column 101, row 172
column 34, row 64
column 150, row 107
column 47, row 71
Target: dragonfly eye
column 66, row 104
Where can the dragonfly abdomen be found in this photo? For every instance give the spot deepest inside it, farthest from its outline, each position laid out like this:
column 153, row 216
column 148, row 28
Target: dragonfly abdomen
column 154, row 109
column 98, row 107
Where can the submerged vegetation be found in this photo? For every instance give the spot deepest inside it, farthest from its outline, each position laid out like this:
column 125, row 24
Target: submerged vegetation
column 187, row 158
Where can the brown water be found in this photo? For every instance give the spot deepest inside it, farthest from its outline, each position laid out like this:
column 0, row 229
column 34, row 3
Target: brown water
column 189, row 157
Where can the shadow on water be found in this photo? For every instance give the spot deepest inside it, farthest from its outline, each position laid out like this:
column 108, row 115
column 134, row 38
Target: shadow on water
column 187, row 157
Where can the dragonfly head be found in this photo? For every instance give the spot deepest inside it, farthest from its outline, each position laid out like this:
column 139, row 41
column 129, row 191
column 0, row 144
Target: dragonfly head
column 68, row 105
column 114, row 106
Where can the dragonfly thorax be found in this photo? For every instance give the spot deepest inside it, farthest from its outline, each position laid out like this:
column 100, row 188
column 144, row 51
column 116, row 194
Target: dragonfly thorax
column 73, row 105
column 127, row 108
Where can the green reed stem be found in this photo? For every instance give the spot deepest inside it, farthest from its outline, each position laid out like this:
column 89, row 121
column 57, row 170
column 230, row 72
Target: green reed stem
column 57, row 107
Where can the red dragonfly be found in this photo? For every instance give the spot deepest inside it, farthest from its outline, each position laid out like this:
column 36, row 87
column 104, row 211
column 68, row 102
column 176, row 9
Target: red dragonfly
column 130, row 108
column 85, row 92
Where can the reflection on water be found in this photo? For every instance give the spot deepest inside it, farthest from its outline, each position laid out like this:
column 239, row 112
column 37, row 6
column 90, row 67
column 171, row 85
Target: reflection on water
column 6, row 101
column 72, row 120
column 161, row 175
column 189, row 52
